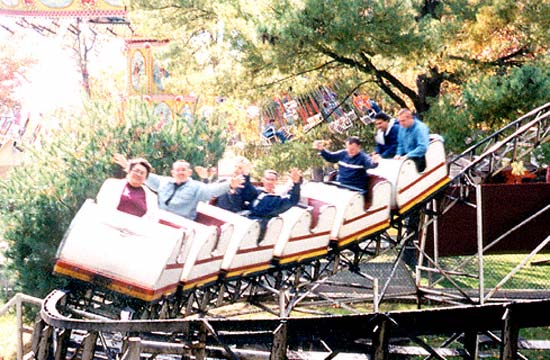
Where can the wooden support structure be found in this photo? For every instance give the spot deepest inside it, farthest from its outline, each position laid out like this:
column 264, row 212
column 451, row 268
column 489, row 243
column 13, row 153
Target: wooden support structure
column 510, row 335
column 88, row 345
column 279, row 346
column 133, row 350
column 44, row 343
column 471, row 345
column 380, row 341
column 363, row 333
column 62, row 342
column 199, row 349
column 36, row 334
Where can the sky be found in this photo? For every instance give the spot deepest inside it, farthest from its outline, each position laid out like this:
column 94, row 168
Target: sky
column 55, row 80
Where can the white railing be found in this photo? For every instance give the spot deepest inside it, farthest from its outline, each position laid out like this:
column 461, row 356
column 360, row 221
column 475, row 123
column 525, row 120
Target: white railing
column 18, row 300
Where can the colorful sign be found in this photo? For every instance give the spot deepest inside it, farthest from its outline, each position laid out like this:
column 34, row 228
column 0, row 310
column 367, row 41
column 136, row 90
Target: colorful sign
column 63, row 8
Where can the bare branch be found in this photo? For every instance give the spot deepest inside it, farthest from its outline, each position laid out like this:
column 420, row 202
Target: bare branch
column 501, row 61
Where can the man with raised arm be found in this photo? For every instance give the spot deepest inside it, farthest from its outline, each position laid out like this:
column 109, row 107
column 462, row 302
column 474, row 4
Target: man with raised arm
column 181, row 194
column 268, row 203
column 236, row 200
column 353, row 162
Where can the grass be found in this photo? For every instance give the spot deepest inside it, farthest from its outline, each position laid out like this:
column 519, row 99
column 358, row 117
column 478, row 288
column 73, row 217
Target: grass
column 8, row 340
column 496, row 267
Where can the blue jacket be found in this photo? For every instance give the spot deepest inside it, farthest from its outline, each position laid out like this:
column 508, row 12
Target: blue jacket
column 389, row 148
column 352, row 171
column 268, row 205
column 186, row 198
column 236, row 201
column 413, row 141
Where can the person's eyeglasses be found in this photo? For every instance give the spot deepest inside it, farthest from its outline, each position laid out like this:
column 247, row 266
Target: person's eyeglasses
column 138, row 171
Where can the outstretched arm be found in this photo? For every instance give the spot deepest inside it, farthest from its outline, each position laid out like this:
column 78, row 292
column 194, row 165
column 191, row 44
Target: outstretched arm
column 121, row 160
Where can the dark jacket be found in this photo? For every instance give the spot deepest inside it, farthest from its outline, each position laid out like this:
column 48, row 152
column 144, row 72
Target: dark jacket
column 238, row 200
column 388, row 149
column 268, row 205
column 352, row 171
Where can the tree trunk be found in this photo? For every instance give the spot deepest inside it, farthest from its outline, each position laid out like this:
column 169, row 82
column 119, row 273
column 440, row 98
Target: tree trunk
column 428, row 85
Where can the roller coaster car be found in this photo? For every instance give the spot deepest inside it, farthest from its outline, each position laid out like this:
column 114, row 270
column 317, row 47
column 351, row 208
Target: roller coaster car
column 204, row 253
column 250, row 255
column 356, row 216
column 242, row 253
column 409, row 187
column 123, row 253
column 306, row 232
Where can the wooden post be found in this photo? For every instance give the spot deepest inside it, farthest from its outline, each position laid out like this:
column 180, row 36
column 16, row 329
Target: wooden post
column 19, row 319
column 37, row 334
column 471, row 345
column 380, row 341
column 88, row 346
column 62, row 342
column 133, row 351
column 200, row 348
column 44, row 343
column 510, row 334
column 278, row 349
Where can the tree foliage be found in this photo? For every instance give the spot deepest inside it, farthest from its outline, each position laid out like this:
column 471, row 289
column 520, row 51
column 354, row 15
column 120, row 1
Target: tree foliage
column 13, row 67
column 489, row 102
column 40, row 198
column 414, row 53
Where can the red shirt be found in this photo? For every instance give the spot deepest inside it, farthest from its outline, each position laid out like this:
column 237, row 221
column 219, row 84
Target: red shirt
column 132, row 201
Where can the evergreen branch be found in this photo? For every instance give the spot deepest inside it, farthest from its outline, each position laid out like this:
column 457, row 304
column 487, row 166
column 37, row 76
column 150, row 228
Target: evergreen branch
column 368, row 67
column 292, row 76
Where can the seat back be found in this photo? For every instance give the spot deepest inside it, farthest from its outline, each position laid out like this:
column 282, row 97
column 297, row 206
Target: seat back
column 412, row 187
column 251, row 256
column 351, row 221
column 373, row 180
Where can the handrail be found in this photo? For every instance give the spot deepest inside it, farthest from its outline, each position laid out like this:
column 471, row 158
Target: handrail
column 18, row 301
column 500, row 131
column 540, row 119
column 524, row 128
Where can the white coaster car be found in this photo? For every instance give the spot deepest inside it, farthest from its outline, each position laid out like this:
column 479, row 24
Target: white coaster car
column 409, row 187
column 203, row 255
column 306, row 232
column 356, row 217
column 122, row 252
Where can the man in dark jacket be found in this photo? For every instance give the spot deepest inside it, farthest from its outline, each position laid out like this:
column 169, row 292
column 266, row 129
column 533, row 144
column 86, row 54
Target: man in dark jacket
column 268, row 204
column 237, row 200
column 386, row 136
column 353, row 162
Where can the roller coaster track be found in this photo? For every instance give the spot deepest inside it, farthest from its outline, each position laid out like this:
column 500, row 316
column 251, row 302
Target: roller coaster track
column 514, row 141
column 74, row 323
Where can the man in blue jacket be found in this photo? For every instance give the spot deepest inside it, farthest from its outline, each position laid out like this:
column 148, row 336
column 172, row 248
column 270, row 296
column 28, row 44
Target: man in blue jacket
column 353, row 162
column 237, row 200
column 179, row 193
column 413, row 139
column 386, row 136
column 268, row 204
